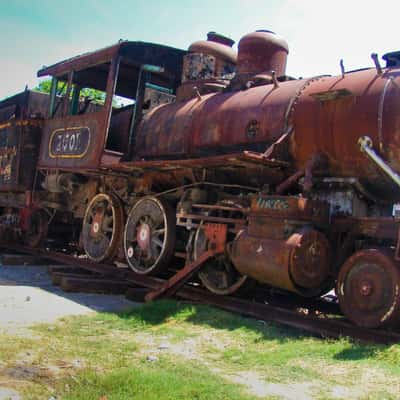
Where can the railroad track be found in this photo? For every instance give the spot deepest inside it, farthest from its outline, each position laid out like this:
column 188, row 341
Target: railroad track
column 320, row 325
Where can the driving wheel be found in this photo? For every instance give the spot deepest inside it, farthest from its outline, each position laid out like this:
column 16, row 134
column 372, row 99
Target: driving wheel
column 102, row 227
column 149, row 237
column 218, row 274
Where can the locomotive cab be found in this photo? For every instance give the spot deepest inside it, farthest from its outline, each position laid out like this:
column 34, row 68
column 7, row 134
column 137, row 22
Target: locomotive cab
column 98, row 98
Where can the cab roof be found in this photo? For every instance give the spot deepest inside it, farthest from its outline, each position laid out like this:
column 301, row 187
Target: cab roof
column 91, row 68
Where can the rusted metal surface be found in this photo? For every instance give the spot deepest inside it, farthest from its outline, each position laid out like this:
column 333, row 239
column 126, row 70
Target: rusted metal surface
column 196, row 220
column 290, row 207
column 208, row 60
column 24, row 105
column 133, row 52
column 333, row 124
column 379, row 228
column 75, row 142
column 242, row 168
column 323, row 111
column 211, row 58
column 299, row 263
column 276, row 218
column 80, row 141
column 216, row 235
column 262, row 52
column 217, row 46
column 245, row 120
column 154, row 98
column 241, row 159
column 149, row 236
column 369, row 288
column 366, row 146
column 172, row 285
column 20, row 136
column 19, row 148
column 208, row 67
column 102, row 227
column 310, row 260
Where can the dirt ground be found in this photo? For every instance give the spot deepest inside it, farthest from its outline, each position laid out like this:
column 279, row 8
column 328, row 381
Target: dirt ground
column 27, row 297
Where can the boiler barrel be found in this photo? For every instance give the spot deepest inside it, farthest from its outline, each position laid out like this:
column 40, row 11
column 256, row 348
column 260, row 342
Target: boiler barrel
column 331, row 115
column 328, row 116
column 217, row 123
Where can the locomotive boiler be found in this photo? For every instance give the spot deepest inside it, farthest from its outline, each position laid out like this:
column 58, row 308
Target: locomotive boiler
column 216, row 161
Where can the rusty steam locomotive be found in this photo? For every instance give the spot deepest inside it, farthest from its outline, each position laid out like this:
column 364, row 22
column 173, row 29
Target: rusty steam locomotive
column 219, row 160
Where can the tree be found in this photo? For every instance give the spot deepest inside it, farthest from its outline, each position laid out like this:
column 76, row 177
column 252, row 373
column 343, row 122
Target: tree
column 95, row 96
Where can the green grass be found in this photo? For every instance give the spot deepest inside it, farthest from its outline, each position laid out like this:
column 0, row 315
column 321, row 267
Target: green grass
column 164, row 380
column 210, row 354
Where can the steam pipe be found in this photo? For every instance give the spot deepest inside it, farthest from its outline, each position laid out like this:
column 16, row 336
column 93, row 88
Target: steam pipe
column 365, row 144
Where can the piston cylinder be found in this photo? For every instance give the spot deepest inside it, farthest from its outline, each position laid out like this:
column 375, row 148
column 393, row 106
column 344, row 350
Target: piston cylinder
column 299, row 264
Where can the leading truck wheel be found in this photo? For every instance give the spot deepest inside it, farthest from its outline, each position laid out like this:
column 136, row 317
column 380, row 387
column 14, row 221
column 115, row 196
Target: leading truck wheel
column 102, row 227
column 149, row 237
column 368, row 288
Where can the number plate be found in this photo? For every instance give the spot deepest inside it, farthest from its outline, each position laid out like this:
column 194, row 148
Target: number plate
column 69, row 142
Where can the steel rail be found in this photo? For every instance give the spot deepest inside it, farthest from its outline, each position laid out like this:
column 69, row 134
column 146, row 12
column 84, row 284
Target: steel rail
column 320, row 326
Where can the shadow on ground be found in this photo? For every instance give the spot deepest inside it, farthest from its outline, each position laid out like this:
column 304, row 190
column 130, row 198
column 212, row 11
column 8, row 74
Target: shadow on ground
column 161, row 311
column 27, row 296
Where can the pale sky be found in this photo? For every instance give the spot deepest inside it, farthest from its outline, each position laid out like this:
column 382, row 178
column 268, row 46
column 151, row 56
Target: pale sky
column 319, row 33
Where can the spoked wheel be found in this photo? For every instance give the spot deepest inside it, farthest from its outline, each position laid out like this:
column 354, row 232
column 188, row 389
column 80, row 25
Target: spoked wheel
column 149, row 237
column 218, row 274
column 368, row 288
column 102, row 227
column 37, row 229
